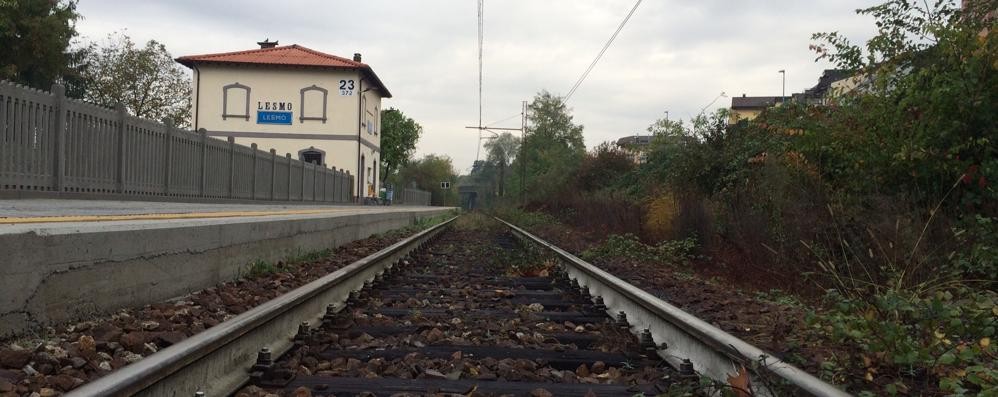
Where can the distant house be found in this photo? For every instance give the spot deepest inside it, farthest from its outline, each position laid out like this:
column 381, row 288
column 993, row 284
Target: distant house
column 832, row 83
column 636, row 146
column 825, row 89
column 317, row 107
column 749, row 107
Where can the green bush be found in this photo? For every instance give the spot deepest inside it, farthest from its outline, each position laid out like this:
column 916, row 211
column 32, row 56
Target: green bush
column 903, row 341
column 629, row 246
column 525, row 219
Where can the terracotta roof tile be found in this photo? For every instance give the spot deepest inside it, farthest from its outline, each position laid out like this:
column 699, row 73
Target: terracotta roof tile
column 289, row 55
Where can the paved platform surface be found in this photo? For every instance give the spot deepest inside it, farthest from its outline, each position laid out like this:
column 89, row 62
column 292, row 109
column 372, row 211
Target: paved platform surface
column 35, row 211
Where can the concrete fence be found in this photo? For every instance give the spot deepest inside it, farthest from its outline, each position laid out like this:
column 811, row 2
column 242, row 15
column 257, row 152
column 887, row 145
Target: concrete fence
column 51, row 143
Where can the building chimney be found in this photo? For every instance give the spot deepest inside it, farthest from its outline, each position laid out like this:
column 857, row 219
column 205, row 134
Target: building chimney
column 267, row 43
column 356, row 57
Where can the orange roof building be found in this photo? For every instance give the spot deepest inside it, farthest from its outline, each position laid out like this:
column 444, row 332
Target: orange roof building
column 308, row 104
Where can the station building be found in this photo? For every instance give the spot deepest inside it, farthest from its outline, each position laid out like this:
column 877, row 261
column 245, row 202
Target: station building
column 318, row 107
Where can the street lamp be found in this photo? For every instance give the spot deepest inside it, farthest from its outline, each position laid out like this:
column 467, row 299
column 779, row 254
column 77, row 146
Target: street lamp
column 783, row 94
column 712, row 102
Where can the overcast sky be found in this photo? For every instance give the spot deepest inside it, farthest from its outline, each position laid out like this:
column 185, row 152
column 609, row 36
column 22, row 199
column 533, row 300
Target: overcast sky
column 672, row 56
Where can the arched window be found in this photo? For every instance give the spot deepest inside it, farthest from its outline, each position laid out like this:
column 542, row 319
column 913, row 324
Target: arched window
column 236, row 101
column 312, row 155
column 377, row 120
column 313, row 103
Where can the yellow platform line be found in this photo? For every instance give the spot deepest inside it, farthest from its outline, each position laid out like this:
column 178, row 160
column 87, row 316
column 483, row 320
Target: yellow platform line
column 161, row 216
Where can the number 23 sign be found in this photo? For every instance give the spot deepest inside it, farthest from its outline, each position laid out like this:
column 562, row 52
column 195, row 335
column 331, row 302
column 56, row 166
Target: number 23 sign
column 346, row 87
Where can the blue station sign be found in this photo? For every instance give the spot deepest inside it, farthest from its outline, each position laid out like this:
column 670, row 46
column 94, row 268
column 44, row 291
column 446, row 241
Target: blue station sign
column 273, row 117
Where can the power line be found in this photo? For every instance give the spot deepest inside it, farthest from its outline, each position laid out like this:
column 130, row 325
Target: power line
column 605, row 47
column 505, row 119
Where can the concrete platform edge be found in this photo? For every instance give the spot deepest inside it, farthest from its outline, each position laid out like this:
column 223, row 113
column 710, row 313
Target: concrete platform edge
column 48, row 279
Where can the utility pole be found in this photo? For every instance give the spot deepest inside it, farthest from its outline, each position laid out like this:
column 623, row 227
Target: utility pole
column 481, row 42
column 523, row 157
column 783, row 94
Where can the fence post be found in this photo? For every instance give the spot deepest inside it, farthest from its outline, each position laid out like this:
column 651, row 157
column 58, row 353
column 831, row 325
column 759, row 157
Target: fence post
column 315, row 178
column 301, row 197
column 119, row 176
column 350, row 191
column 288, row 157
column 232, row 166
column 323, row 179
column 59, row 172
column 202, row 186
column 273, row 173
column 332, row 171
column 168, row 127
column 253, row 184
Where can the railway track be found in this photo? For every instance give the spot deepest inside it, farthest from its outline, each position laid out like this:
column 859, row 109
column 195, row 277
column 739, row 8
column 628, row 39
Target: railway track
column 468, row 312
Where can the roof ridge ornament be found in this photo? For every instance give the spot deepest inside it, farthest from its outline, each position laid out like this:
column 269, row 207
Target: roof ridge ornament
column 266, row 43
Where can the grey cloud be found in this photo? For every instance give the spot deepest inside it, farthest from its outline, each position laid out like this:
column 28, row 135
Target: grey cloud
column 673, row 55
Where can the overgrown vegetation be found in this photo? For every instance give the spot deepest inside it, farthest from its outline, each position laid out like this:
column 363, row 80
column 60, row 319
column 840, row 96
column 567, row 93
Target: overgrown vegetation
column 427, row 173
column 881, row 195
column 261, row 267
column 629, row 246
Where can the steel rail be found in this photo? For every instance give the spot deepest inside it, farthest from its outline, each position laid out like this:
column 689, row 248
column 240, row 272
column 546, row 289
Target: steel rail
column 217, row 361
column 713, row 352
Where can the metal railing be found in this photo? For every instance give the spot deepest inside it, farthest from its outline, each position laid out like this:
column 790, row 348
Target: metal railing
column 51, row 143
column 712, row 352
column 413, row 197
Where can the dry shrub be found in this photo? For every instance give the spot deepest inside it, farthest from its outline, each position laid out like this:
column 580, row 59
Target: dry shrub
column 693, row 219
column 601, row 213
column 660, row 215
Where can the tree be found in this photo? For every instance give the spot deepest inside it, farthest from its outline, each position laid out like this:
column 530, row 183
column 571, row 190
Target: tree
column 666, row 128
column 34, row 40
column 501, row 151
column 427, row 173
column 145, row 80
column 398, row 140
column 927, row 114
column 602, row 167
column 552, row 148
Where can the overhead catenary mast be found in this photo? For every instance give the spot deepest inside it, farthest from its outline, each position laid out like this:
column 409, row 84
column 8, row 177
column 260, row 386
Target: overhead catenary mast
column 481, row 78
column 481, row 42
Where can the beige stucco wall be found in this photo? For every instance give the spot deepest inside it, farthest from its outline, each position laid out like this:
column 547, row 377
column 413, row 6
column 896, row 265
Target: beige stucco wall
column 847, row 85
column 736, row 115
column 339, row 134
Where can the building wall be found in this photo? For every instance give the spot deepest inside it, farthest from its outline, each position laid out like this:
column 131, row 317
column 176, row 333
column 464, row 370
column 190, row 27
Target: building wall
column 280, row 89
column 743, row 114
column 847, row 85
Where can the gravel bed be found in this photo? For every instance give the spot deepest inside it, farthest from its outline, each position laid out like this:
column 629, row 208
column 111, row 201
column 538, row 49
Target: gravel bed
column 443, row 335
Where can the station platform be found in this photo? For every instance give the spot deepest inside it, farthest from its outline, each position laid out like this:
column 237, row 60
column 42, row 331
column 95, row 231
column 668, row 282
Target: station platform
column 67, row 259
column 49, row 211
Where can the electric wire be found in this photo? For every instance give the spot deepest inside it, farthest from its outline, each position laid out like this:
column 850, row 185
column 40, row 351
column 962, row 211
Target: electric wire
column 600, row 55
column 505, row 119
